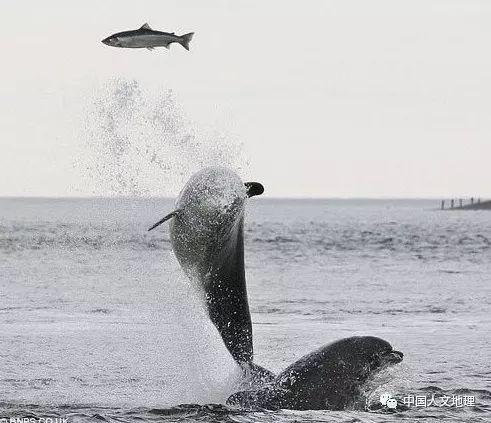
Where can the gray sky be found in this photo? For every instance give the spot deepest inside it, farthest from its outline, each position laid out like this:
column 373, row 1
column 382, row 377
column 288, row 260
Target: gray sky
column 329, row 98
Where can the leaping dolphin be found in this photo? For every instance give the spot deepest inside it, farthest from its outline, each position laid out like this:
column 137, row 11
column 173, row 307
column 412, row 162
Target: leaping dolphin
column 207, row 237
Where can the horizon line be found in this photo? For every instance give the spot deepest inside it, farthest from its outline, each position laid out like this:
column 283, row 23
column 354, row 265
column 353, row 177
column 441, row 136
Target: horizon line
column 268, row 197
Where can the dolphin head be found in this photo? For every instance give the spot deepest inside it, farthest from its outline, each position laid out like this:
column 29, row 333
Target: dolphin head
column 365, row 355
column 112, row 41
column 373, row 355
column 360, row 358
column 331, row 377
column 381, row 354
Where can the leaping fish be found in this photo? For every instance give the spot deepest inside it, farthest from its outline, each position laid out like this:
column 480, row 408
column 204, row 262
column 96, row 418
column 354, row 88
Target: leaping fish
column 146, row 37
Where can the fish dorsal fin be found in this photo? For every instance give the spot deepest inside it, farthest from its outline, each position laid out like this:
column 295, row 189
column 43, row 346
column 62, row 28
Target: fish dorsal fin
column 145, row 26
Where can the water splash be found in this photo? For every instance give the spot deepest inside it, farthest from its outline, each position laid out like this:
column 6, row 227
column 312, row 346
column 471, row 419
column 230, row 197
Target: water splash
column 139, row 142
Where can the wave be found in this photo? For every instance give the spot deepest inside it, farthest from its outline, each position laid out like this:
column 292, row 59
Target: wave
column 373, row 413
column 442, row 246
column 19, row 237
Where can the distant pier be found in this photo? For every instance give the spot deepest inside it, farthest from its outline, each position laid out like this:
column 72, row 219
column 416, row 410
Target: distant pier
column 465, row 204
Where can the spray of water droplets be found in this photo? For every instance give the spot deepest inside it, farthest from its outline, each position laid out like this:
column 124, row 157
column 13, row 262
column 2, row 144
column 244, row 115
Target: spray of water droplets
column 138, row 141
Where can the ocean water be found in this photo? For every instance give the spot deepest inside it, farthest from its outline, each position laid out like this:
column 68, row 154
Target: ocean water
column 98, row 322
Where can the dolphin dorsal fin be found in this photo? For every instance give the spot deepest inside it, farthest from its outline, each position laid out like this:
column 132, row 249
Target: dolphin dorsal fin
column 145, row 26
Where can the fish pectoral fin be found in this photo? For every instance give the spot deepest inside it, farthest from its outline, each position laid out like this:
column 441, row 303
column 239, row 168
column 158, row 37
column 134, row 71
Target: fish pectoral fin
column 145, row 26
column 150, row 48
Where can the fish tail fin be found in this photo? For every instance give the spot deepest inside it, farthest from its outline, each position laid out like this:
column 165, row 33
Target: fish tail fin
column 185, row 39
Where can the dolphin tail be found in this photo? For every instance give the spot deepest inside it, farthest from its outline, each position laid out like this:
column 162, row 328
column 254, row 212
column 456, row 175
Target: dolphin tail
column 185, row 39
column 253, row 188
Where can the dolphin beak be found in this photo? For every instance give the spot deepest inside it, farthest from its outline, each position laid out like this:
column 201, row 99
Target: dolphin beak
column 392, row 357
column 254, row 188
column 165, row 218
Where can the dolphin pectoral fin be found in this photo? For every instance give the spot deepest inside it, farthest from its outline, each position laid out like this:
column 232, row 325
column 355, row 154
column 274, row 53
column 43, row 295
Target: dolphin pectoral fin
column 254, row 188
column 150, row 48
column 169, row 216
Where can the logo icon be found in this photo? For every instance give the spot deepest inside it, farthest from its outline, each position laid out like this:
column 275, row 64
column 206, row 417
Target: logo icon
column 387, row 400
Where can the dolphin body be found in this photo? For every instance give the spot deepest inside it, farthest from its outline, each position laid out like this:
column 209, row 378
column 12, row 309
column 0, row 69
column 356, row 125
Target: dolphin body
column 207, row 236
column 330, row 378
column 146, row 37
